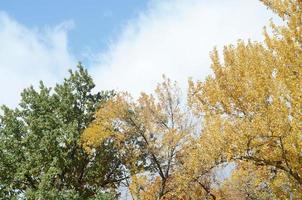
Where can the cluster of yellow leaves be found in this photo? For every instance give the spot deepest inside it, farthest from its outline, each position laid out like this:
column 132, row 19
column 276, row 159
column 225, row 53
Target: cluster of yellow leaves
column 254, row 101
column 251, row 116
column 258, row 182
column 148, row 134
column 102, row 127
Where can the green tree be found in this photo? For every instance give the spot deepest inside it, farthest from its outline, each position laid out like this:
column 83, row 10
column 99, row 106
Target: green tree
column 40, row 153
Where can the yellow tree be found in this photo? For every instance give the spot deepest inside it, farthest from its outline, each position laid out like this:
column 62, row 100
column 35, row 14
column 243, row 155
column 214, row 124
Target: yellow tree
column 253, row 102
column 248, row 182
column 148, row 134
column 201, row 158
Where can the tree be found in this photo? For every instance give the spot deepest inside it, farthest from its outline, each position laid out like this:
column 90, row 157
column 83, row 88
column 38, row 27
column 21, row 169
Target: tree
column 40, row 153
column 250, row 182
column 148, row 134
column 253, row 102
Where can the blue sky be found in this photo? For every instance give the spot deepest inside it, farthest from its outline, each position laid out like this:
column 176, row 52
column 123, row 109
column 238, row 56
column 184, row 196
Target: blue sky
column 95, row 22
column 127, row 45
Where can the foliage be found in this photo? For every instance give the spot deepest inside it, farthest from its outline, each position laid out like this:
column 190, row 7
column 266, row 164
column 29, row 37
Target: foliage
column 69, row 143
column 250, row 111
column 148, row 133
column 40, row 153
column 253, row 102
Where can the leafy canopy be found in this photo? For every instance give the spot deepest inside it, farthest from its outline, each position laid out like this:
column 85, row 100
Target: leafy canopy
column 40, row 153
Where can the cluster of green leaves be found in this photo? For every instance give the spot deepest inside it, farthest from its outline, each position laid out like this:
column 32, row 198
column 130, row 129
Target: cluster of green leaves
column 40, row 153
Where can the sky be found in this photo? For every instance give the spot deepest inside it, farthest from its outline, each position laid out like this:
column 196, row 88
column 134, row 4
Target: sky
column 126, row 45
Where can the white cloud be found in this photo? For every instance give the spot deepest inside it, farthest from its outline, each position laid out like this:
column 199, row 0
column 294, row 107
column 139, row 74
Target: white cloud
column 29, row 55
column 172, row 37
column 175, row 37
